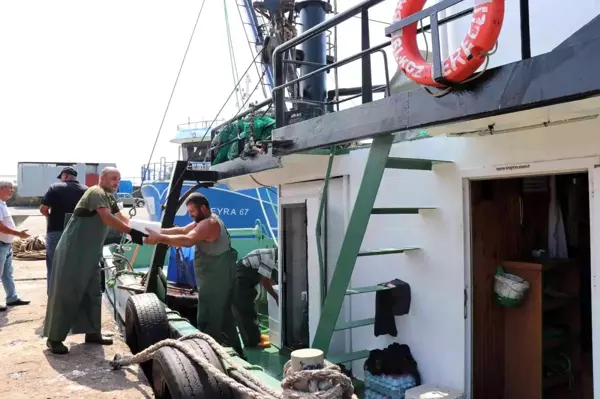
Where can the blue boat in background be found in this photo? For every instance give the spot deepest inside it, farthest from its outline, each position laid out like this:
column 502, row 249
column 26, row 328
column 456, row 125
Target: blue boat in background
column 251, row 216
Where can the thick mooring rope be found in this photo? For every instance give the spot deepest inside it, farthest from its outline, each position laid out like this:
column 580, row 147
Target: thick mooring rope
column 33, row 247
column 339, row 385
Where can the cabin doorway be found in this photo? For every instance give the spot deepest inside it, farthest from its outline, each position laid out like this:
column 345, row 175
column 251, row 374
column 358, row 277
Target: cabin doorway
column 538, row 229
column 294, row 243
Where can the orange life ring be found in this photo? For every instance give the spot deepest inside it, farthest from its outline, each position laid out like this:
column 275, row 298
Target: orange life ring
column 486, row 24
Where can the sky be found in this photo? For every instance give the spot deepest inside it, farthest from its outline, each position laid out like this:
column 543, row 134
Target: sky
column 84, row 81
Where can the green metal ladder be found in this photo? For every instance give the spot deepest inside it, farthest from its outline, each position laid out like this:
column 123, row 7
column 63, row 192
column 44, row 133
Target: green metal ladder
column 378, row 160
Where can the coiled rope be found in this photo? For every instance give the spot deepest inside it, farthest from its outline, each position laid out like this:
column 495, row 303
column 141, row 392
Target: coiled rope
column 326, row 383
column 33, row 247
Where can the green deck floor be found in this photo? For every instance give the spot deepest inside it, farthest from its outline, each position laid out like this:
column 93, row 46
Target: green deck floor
column 269, row 358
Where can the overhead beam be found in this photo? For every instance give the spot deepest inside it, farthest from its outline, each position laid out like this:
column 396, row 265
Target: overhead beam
column 568, row 73
column 241, row 167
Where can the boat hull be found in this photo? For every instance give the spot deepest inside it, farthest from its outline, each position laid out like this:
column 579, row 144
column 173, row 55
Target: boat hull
column 238, row 209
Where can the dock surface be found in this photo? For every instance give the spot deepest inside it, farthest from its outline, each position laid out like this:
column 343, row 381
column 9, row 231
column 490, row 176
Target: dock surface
column 28, row 370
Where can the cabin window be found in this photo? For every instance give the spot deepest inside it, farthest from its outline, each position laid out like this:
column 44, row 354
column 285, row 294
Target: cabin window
column 295, row 276
column 188, row 150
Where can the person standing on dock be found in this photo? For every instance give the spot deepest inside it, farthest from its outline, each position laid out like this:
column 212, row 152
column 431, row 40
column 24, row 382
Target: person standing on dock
column 8, row 232
column 258, row 267
column 60, row 200
column 214, row 267
column 75, row 299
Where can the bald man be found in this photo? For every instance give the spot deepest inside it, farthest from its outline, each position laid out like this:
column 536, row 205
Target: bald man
column 75, row 299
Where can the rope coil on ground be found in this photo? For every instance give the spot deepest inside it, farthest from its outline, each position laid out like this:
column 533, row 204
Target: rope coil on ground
column 33, row 248
column 339, row 386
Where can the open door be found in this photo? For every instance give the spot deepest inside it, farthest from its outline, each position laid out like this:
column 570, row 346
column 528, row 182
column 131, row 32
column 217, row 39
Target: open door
column 294, row 327
column 595, row 272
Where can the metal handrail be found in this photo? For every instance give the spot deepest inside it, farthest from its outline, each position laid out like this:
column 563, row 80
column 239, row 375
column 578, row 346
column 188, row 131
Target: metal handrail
column 157, row 171
column 278, row 96
column 309, row 34
column 201, row 124
column 250, row 110
column 362, row 8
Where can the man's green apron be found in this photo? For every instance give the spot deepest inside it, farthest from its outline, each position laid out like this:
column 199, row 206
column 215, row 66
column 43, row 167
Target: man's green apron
column 75, row 300
column 214, row 267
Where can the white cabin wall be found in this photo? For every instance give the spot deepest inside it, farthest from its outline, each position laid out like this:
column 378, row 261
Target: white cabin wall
column 551, row 22
column 435, row 327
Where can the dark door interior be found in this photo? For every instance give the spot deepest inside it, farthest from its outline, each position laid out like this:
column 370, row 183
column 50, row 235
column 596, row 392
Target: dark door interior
column 295, row 277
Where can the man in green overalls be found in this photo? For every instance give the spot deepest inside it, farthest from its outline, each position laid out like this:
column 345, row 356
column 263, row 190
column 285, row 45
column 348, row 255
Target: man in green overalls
column 214, row 266
column 75, row 299
column 258, row 267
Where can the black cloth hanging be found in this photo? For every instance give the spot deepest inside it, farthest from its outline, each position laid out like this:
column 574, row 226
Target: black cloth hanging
column 390, row 303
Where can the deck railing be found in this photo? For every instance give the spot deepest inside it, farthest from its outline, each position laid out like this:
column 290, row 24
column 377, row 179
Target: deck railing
column 361, row 10
column 367, row 89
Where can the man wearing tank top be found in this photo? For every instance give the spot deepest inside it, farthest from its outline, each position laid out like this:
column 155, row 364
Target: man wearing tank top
column 214, row 267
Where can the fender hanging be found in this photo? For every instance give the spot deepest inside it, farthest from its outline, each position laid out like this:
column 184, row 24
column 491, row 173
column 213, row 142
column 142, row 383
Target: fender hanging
column 486, row 24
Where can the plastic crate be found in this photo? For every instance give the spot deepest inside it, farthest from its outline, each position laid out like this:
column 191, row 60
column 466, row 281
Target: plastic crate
column 387, row 386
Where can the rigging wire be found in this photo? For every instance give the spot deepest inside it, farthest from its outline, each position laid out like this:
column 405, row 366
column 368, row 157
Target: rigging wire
column 250, row 46
column 373, row 20
column 259, row 53
column 242, row 107
column 162, row 122
column 231, row 52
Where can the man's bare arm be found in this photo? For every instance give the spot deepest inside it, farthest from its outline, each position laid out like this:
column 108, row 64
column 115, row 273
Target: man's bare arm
column 7, row 230
column 207, row 230
column 112, row 221
column 45, row 210
column 122, row 217
column 268, row 284
column 178, row 230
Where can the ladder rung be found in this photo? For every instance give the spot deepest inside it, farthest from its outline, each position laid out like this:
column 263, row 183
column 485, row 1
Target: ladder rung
column 364, row 290
column 354, row 324
column 412, row 163
column 348, row 357
column 385, row 251
column 397, row 211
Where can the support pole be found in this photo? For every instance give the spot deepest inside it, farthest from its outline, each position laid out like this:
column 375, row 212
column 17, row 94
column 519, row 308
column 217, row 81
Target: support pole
column 312, row 13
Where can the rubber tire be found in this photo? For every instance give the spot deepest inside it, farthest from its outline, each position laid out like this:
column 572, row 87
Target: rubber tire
column 175, row 376
column 146, row 323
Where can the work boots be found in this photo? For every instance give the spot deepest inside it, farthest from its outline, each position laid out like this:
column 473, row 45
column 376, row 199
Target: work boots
column 57, row 347
column 264, row 342
column 98, row 339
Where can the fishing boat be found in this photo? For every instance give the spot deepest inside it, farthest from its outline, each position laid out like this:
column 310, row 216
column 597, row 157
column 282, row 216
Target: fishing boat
column 450, row 226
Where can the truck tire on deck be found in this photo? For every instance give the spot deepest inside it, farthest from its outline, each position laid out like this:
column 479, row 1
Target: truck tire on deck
column 175, row 376
column 146, row 323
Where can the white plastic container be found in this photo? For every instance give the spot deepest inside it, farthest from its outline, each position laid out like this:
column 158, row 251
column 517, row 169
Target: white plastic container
column 274, row 325
column 433, row 392
column 142, row 225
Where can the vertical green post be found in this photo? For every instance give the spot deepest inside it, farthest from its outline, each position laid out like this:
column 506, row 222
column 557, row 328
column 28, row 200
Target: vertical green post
column 357, row 226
